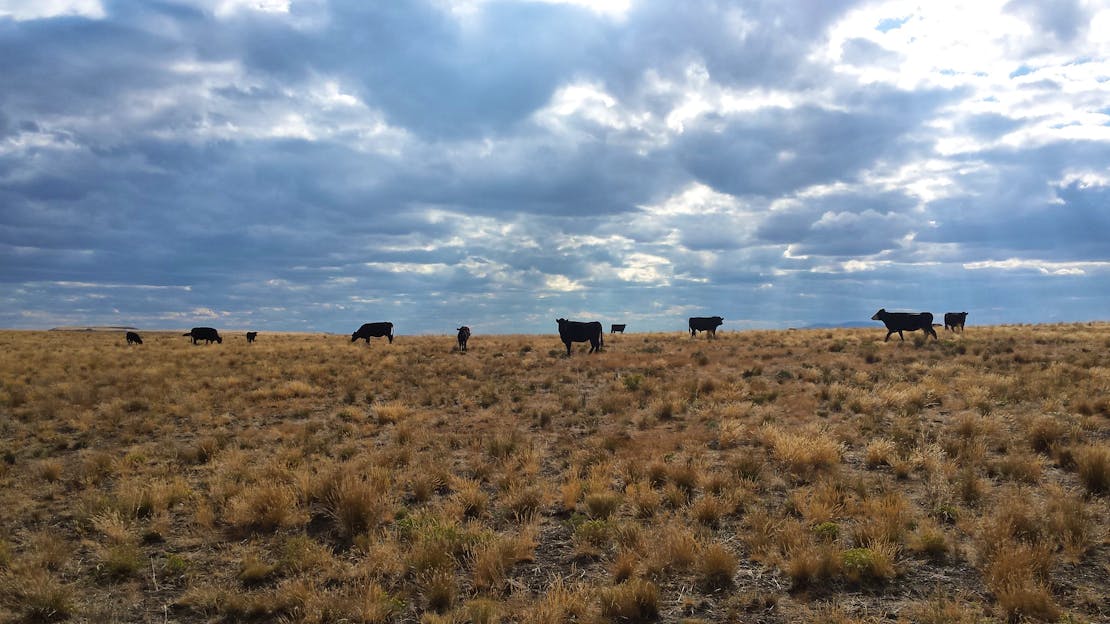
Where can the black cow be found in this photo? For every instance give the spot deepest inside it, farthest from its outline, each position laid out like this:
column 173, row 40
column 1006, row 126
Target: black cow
column 905, row 321
column 464, row 335
column 616, row 329
column 707, row 324
column 374, row 330
column 133, row 338
column 954, row 320
column 575, row 331
column 207, row 334
column 251, row 336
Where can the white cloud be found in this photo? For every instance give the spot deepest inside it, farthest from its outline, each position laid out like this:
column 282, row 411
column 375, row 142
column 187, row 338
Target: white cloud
column 561, row 283
column 225, row 8
column 1041, row 266
column 646, row 269
column 418, row 268
column 43, row 9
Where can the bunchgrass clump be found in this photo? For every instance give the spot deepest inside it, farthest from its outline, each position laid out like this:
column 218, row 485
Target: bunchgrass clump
column 634, row 601
column 1093, row 467
column 716, row 566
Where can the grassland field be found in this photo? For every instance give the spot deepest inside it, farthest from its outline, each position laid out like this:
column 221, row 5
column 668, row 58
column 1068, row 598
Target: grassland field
column 762, row 477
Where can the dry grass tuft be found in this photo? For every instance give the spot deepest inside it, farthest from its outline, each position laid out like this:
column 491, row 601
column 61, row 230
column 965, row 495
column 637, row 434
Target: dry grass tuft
column 37, row 596
column 803, row 453
column 265, row 508
column 602, row 504
column 717, row 566
column 359, row 504
column 634, row 601
column 1093, row 465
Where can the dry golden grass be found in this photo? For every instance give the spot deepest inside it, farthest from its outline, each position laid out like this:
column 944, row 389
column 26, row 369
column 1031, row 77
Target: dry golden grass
column 767, row 476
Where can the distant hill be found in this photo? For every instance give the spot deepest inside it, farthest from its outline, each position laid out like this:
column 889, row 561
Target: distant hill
column 93, row 328
column 843, row 324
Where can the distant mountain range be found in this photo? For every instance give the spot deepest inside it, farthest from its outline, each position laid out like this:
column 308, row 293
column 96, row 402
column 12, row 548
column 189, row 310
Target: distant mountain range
column 836, row 324
column 92, row 328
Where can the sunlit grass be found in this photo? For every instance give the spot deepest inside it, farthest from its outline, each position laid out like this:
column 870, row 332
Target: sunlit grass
column 765, row 476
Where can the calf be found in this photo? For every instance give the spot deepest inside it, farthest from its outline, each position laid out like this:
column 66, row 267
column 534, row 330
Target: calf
column 707, row 324
column 374, row 330
column 133, row 338
column 207, row 334
column 617, row 329
column 954, row 320
column 905, row 321
column 464, row 335
column 575, row 331
column 251, row 336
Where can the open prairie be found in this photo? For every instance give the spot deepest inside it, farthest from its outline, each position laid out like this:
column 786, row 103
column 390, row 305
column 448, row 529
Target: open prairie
column 765, row 476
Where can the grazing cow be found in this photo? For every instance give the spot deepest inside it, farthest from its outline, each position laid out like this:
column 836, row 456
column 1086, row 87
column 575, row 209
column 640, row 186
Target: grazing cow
column 707, row 324
column 954, row 320
column 616, row 329
column 251, row 336
column 905, row 321
column 133, row 338
column 374, row 330
column 207, row 334
column 575, row 331
column 464, row 335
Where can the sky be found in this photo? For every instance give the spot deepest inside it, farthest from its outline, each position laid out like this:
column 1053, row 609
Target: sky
column 311, row 165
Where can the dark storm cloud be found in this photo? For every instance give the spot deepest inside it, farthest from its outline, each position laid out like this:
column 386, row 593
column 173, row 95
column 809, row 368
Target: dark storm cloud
column 860, row 223
column 750, row 43
column 584, row 179
column 1074, row 229
column 864, row 52
column 448, row 79
column 776, row 152
column 1064, row 19
column 1025, row 206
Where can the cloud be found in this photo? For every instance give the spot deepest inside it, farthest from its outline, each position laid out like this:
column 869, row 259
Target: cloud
column 314, row 165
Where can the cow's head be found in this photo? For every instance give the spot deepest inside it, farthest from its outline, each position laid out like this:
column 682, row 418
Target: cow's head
column 718, row 320
column 354, row 336
column 879, row 315
column 561, row 322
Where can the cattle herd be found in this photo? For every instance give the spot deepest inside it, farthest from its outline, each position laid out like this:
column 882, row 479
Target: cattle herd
column 594, row 333
column 913, row 321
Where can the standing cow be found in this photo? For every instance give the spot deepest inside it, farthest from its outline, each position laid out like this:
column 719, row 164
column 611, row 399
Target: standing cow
column 464, row 335
column 575, row 331
column 617, row 329
column 133, row 338
column 905, row 321
column 707, row 324
column 251, row 336
column 374, row 330
column 207, row 334
column 954, row 320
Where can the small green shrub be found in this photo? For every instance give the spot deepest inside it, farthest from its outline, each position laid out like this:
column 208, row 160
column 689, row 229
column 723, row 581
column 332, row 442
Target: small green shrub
column 874, row 563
